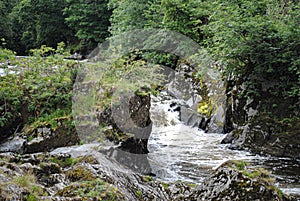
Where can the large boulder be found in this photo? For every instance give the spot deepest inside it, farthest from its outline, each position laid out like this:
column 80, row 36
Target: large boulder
column 132, row 118
column 46, row 138
column 16, row 144
column 192, row 118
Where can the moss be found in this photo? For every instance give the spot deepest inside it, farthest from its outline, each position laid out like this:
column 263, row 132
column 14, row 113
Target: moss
column 88, row 159
column 53, row 121
column 205, row 107
column 31, row 197
column 192, row 185
column 29, row 183
column 236, row 133
column 65, row 162
column 80, row 173
column 260, row 174
column 24, row 181
column 139, row 193
column 165, row 185
column 240, row 165
column 96, row 189
column 115, row 135
column 147, row 179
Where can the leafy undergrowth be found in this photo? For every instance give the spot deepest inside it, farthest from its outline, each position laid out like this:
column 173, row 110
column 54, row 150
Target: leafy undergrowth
column 35, row 90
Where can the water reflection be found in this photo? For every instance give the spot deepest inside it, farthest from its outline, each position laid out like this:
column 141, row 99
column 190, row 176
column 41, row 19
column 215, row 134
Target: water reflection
column 136, row 162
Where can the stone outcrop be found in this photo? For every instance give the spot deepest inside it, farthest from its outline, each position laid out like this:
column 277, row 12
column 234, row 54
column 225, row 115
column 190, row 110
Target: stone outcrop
column 265, row 123
column 130, row 117
column 42, row 138
column 234, row 181
column 48, row 139
column 61, row 176
column 194, row 91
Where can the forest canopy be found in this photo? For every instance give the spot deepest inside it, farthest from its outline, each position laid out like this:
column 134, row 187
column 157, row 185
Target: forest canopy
column 242, row 35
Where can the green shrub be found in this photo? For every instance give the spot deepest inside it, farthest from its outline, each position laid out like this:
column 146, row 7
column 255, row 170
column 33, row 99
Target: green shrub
column 41, row 88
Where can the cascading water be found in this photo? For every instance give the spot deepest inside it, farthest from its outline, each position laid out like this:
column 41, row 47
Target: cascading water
column 180, row 152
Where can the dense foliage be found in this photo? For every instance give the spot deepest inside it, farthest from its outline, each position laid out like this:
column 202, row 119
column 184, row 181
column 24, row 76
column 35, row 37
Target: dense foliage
column 258, row 39
column 253, row 42
column 36, row 23
column 89, row 19
column 27, row 24
column 35, row 89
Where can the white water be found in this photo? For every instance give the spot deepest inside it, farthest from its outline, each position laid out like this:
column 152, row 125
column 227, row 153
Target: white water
column 179, row 152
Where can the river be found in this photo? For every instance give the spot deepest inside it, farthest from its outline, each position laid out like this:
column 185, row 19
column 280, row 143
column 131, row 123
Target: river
column 180, row 152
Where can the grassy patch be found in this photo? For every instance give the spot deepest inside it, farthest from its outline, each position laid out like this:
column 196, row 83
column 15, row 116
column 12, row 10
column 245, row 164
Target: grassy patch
column 65, row 162
column 96, row 189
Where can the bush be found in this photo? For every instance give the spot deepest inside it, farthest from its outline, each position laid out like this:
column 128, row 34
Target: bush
column 36, row 87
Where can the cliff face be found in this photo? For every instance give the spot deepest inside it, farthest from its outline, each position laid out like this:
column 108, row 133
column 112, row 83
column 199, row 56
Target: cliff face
column 262, row 120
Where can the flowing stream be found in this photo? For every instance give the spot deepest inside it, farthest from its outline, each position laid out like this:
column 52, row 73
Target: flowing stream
column 179, row 152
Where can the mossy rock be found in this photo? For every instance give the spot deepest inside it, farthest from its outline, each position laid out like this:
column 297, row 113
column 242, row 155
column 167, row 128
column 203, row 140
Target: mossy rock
column 96, row 189
column 234, row 180
column 64, row 134
column 80, row 173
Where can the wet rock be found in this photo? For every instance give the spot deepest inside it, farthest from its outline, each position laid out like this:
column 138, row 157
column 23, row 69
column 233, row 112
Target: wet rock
column 265, row 136
column 228, row 138
column 135, row 146
column 216, row 124
column 136, row 162
column 193, row 118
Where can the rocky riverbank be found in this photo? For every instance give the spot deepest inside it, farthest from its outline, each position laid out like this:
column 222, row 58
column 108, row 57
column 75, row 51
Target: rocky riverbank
column 83, row 173
column 266, row 122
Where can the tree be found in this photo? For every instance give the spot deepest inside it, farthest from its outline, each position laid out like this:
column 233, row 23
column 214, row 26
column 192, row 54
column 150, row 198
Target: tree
column 39, row 22
column 257, row 40
column 127, row 15
column 5, row 23
column 89, row 19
